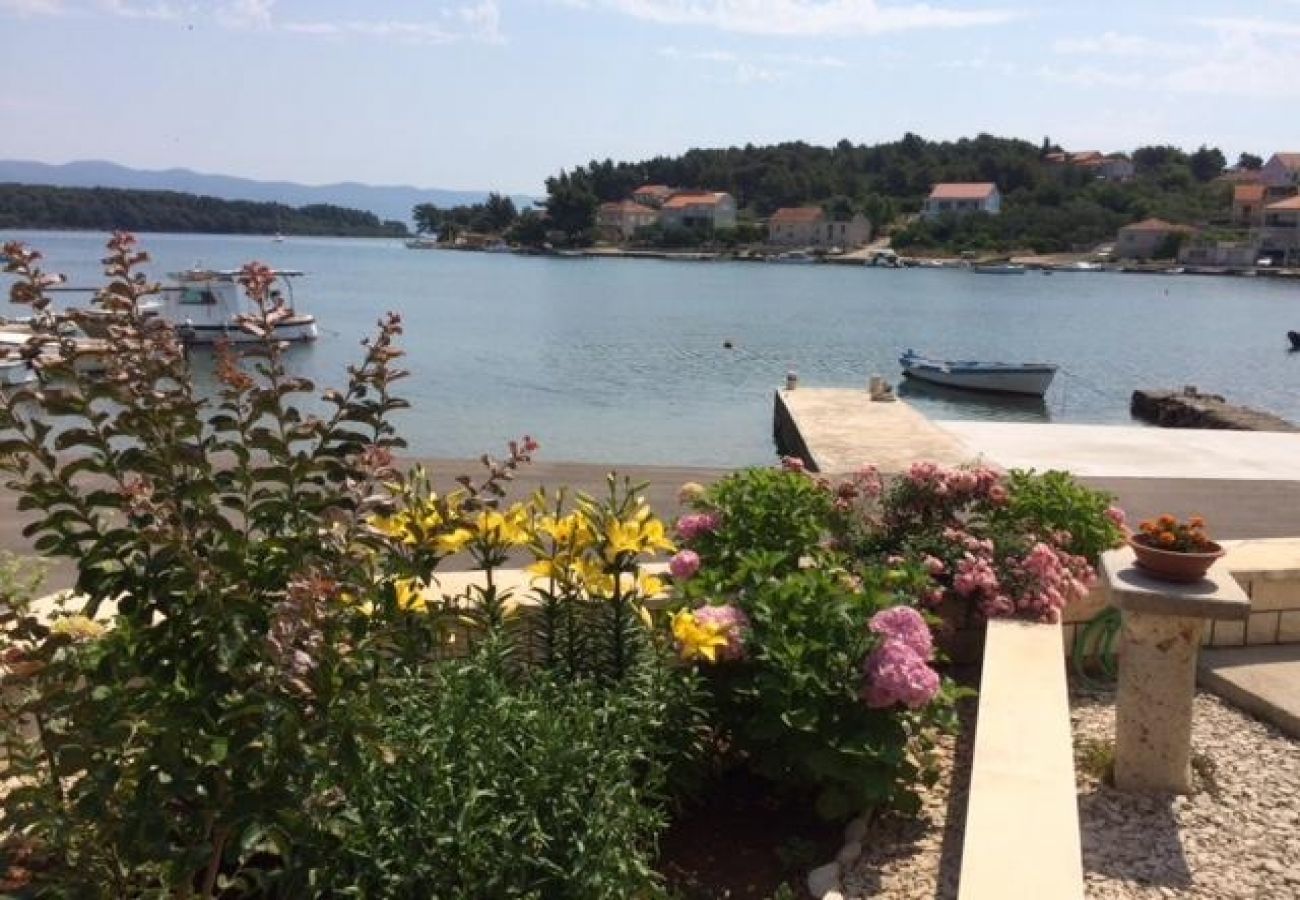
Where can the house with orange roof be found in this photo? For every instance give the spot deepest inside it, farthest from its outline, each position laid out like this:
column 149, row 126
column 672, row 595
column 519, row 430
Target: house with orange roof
column 1279, row 236
column 810, row 226
column 1146, row 239
column 653, row 195
column 1248, row 200
column 621, row 220
column 707, row 210
column 1112, row 167
column 962, row 198
column 1281, row 174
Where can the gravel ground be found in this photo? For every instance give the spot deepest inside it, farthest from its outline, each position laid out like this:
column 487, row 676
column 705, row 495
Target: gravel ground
column 1238, row 836
column 920, row 857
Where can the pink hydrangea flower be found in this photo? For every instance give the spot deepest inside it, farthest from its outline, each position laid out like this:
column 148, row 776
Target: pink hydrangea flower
column 895, row 673
column 934, row 565
column 907, row 626
column 684, row 564
column 692, row 525
column 1116, row 515
column 732, row 622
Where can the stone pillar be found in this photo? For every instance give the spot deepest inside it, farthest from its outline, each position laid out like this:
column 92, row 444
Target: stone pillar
column 1153, row 716
column 1160, row 639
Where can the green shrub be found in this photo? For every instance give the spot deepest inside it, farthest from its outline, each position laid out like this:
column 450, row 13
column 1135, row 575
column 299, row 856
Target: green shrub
column 1054, row 501
column 475, row 784
column 794, row 707
column 765, row 511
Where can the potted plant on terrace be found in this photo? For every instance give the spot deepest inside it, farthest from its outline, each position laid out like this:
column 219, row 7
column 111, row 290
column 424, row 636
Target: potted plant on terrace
column 1173, row 550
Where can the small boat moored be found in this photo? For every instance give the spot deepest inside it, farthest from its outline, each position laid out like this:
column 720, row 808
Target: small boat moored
column 1007, row 378
column 794, row 257
column 998, row 269
column 1294, row 337
column 204, row 305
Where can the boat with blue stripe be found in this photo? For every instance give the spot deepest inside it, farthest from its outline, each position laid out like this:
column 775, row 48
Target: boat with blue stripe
column 1032, row 378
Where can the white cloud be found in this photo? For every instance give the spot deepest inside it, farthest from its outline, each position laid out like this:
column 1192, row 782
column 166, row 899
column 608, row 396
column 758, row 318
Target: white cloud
column 24, row 8
column 1246, row 58
column 1123, row 45
column 799, row 18
column 473, row 22
column 1259, row 27
column 245, row 13
column 1090, row 76
column 764, row 68
column 159, row 10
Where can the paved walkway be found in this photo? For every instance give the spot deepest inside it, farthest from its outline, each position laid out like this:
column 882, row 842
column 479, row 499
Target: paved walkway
column 1134, row 451
column 1264, row 681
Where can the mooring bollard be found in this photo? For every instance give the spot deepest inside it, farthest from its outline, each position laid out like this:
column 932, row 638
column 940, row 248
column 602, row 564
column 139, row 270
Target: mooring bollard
column 1160, row 638
column 791, row 380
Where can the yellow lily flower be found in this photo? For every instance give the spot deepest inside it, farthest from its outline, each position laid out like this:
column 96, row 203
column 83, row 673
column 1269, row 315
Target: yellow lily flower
column 453, row 541
column 411, row 596
column 695, row 640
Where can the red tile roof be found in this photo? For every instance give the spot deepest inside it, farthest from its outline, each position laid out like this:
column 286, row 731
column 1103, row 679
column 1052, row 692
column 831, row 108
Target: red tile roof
column 963, row 190
column 1290, row 203
column 1248, row 193
column 797, row 215
column 683, row 199
column 653, row 190
column 1290, row 160
column 1156, row 225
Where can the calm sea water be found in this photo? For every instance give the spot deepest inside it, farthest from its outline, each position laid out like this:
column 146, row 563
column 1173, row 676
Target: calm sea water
column 623, row 361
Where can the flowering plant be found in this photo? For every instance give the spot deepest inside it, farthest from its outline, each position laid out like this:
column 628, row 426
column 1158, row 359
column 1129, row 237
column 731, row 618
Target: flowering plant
column 1166, row 532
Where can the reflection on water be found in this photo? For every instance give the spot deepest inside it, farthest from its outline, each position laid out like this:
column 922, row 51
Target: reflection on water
column 966, row 404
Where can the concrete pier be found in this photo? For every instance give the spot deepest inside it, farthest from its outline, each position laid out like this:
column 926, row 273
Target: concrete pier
column 835, row 431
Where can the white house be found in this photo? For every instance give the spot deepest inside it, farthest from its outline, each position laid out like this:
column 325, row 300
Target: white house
column 1280, row 235
column 620, row 221
column 961, row 198
column 809, row 226
column 698, row 209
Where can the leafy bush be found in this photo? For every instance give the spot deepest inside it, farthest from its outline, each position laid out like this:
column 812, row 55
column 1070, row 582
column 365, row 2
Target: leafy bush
column 784, row 623
column 809, row 605
column 1054, row 502
column 476, row 784
column 254, row 598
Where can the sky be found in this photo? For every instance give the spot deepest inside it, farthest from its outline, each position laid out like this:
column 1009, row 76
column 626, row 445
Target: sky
column 500, row 94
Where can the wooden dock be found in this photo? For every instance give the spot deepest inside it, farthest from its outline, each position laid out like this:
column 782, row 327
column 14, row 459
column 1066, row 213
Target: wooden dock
column 839, row 430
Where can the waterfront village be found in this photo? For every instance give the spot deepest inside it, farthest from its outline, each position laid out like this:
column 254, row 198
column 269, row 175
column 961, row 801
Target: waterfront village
column 273, row 657
column 1257, row 230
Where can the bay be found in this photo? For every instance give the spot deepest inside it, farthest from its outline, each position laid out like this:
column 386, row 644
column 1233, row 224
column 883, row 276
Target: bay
column 623, row 361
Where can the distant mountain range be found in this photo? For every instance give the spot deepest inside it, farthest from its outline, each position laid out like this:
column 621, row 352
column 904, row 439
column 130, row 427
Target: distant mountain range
column 386, row 201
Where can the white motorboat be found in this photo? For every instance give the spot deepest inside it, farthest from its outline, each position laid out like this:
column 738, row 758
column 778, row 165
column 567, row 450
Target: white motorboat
column 998, row 269
column 15, row 371
column 1078, row 266
column 203, row 305
column 1007, row 378
column 423, row 242
column 794, row 257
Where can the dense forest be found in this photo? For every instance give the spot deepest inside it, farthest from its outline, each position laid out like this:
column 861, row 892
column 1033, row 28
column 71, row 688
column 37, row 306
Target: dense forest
column 1046, row 207
column 107, row 209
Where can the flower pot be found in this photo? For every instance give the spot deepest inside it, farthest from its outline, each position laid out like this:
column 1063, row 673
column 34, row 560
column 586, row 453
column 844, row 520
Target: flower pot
column 1174, row 565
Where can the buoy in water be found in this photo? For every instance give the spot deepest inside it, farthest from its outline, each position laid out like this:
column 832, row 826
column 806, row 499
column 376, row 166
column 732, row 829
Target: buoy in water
column 727, row 345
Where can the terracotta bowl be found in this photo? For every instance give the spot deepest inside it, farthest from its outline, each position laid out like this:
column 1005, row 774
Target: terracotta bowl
column 1172, row 565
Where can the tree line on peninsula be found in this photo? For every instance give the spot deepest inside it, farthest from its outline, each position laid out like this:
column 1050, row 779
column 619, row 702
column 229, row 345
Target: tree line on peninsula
column 1046, row 206
column 112, row 209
